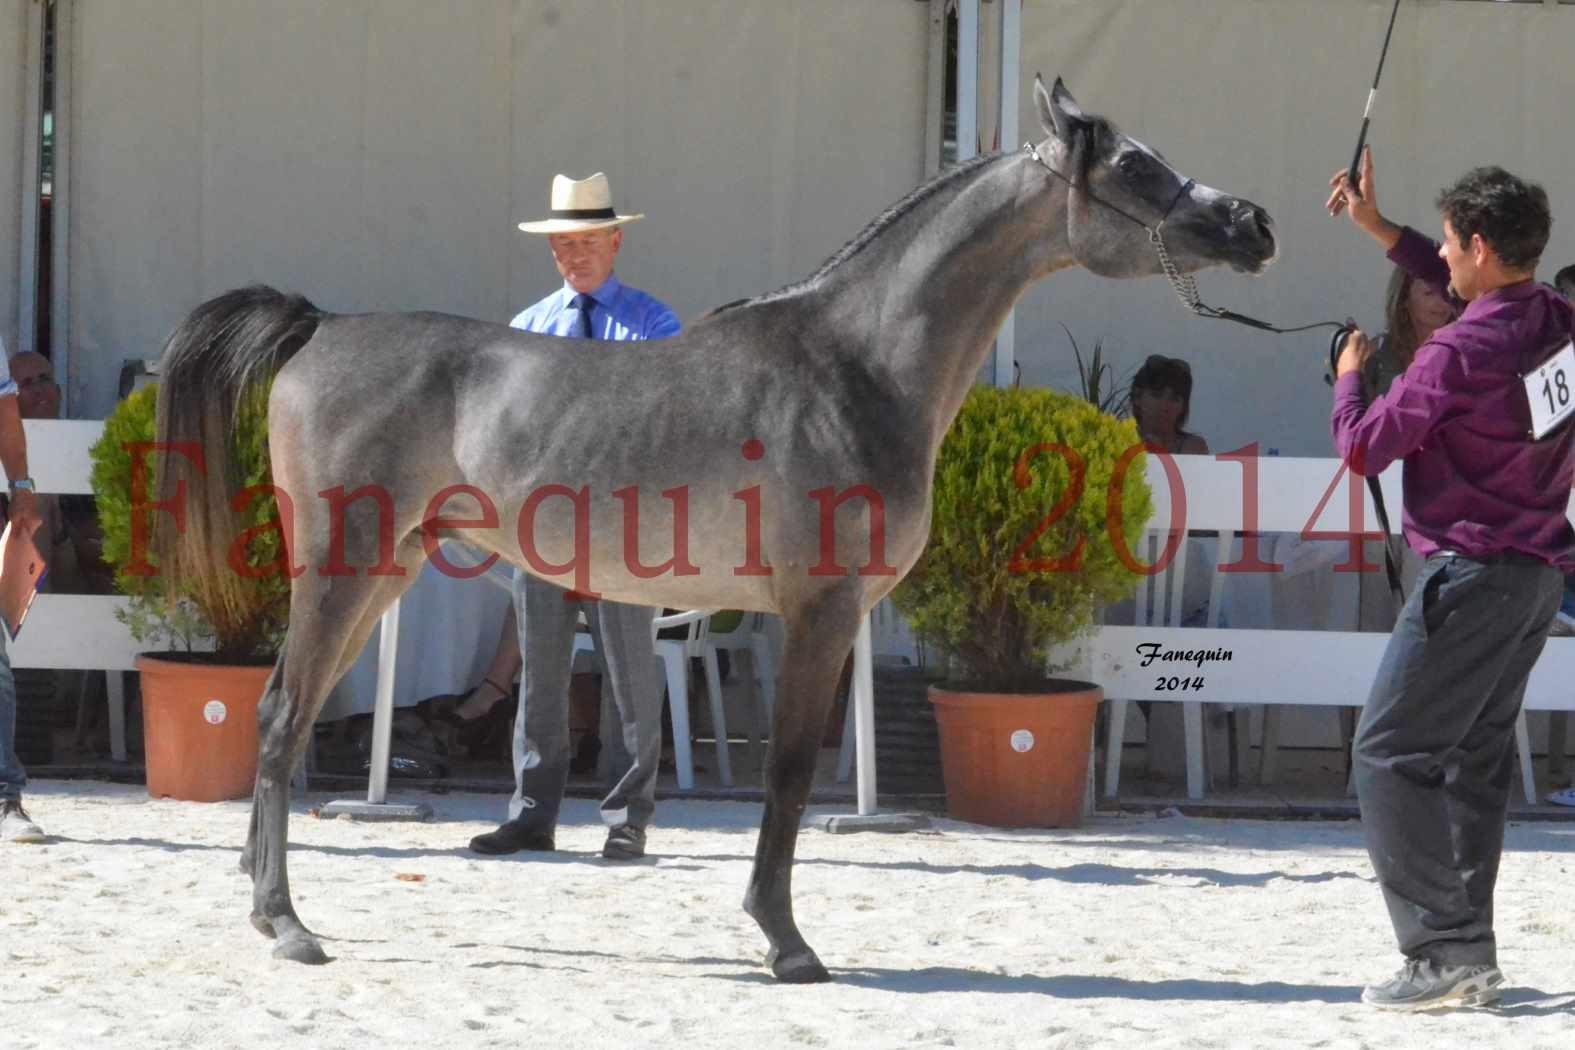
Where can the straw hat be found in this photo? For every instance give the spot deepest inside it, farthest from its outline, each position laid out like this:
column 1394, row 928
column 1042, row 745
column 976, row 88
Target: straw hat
column 579, row 204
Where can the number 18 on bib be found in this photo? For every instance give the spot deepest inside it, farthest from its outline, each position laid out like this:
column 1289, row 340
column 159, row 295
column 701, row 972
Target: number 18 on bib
column 1549, row 389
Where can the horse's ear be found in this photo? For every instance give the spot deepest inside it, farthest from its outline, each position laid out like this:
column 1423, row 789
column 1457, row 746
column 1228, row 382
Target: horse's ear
column 1059, row 112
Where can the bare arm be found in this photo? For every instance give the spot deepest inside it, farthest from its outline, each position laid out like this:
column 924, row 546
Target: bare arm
column 13, row 457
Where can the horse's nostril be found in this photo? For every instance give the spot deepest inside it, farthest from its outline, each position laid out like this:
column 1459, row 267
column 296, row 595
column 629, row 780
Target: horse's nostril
column 1261, row 223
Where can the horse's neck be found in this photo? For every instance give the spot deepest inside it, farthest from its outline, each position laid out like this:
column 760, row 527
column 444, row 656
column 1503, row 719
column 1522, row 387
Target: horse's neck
column 945, row 276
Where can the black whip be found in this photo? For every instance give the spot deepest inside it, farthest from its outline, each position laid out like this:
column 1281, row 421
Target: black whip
column 1391, row 555
column 1367, row 114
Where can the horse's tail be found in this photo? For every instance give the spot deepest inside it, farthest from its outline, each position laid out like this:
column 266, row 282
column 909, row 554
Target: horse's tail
column 217, row 365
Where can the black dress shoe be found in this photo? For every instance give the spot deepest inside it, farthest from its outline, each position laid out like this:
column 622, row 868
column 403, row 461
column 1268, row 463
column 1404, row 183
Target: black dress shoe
column 513, row 837
column 625, row 842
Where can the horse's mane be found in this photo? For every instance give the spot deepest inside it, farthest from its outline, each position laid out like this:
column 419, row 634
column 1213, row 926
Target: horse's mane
column 876, row 227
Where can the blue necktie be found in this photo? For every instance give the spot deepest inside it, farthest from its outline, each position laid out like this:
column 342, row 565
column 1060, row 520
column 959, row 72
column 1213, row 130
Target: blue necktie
column 585, row 304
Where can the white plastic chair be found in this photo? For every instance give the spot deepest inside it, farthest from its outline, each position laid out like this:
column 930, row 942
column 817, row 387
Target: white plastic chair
column 1167, row 609
column 751, row 637
column 676, row 654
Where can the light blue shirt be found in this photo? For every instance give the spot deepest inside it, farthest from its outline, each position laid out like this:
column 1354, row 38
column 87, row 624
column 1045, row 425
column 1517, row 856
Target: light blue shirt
column 621, row 313
column 7, row 384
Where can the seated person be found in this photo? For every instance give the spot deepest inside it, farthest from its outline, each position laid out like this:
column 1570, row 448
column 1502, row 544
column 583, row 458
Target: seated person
column 38, row 397
column 1564, row 281
column 1161, row 399
column 1413, row 311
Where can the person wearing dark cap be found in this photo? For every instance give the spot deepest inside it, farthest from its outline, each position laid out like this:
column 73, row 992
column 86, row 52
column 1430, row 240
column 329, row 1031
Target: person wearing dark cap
column 1161, row 400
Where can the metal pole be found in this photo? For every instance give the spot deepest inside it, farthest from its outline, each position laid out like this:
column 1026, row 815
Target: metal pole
column 383, row 708
column 864, row 715
column 935, row 89
column 967, row 78
column 1010, row 63
column 27, row 246
column 73, row 384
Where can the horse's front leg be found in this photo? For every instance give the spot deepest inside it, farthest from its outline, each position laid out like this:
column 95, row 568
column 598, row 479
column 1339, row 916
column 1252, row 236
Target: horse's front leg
column 816, row 646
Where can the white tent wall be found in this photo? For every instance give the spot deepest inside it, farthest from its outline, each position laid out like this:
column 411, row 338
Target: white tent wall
column 377, row 155
column 14, row 71
column 1263, row 98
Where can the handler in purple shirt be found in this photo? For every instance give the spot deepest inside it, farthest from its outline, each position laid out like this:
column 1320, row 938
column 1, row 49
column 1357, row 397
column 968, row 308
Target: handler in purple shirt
column 1485, row 503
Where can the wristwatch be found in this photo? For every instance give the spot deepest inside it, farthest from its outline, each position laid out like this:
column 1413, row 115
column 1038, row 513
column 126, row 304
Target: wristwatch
column 21, row 485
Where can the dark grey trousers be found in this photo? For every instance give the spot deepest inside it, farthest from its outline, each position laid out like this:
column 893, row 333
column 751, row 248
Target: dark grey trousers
column 13, row 778
column 625, row 649
column 1435, row 747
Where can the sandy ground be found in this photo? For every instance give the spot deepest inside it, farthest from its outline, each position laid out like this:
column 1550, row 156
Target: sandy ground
column 128, row 929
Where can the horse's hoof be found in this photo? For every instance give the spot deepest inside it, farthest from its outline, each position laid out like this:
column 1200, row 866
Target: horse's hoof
column 800, row 967
column 264, row 926
column 302, row 950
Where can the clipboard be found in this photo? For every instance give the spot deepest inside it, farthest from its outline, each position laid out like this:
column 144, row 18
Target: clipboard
column 22, row 573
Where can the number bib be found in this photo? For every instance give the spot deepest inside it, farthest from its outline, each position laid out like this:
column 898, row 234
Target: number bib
column 1548, row 391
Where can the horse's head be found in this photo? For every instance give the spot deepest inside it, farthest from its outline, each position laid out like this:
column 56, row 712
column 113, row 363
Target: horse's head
column 1119, row 188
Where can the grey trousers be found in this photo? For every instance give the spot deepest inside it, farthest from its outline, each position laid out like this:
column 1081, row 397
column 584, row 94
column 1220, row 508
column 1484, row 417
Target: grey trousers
column 624, row 648
column 13, row 778
column 1435, row 748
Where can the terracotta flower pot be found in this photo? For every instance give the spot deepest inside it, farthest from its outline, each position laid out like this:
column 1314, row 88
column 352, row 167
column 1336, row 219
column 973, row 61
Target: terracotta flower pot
column 199, row 728
column 1017, row 760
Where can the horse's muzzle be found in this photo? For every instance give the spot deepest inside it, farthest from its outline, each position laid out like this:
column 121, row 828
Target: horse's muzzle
column 1253, row 237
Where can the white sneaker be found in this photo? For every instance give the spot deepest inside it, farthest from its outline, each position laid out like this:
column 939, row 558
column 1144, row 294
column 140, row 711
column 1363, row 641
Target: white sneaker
column 1423, row 984
column 16, row 825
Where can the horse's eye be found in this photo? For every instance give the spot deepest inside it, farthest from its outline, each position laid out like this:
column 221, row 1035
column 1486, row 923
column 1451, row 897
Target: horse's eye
column 1129, row 164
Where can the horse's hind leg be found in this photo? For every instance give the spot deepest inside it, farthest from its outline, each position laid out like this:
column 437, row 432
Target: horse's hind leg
column 811, row 665
column 248, row 863
column 330, row 619
column 380, row 598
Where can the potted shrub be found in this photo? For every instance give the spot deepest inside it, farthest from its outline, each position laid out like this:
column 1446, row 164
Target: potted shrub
column 207, row 664
column 1039, row 500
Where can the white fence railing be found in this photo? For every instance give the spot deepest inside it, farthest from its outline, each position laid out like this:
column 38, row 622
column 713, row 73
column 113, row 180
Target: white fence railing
column 74, row 631
column 1297, row 667
column 1271, row 494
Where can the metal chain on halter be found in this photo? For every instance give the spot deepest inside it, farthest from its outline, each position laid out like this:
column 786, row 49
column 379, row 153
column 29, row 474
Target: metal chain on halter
column 1185, row 287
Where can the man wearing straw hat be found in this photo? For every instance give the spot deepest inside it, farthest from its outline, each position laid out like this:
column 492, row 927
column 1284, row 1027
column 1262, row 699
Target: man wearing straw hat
column 584, row 232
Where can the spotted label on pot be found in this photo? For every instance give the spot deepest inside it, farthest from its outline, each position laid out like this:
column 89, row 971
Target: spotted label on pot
column 1022, row 740
column 214, row 712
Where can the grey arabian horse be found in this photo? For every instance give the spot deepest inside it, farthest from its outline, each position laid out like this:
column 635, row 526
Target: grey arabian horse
column 776, row 456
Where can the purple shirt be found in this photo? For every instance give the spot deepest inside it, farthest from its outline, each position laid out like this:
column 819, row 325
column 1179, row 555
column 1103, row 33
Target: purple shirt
column 1474, row 482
